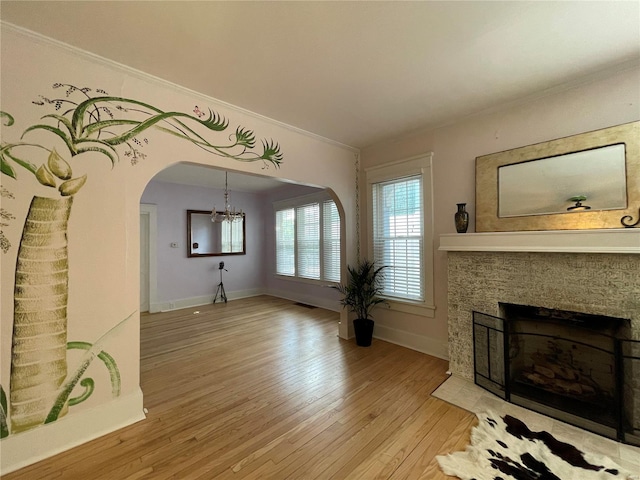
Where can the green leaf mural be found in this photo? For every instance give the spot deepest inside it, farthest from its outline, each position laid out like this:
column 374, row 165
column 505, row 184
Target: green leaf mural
column 5, row 218
column 86, row 121
column 4, row 427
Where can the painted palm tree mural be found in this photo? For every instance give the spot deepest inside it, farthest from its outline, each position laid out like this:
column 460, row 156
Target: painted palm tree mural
column 91, row 122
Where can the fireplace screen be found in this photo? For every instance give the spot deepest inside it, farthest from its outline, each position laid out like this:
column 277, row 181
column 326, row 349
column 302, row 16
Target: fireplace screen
column 582, row 369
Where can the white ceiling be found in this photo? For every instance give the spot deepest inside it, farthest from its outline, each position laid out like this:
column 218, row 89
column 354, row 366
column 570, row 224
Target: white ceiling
column 358, row 73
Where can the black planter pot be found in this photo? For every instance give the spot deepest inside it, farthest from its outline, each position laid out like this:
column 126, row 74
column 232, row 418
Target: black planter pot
column 364, row 331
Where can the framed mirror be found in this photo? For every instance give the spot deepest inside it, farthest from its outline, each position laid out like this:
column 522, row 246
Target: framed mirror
column 592, row 179
column 586, row 181
column 209, row 239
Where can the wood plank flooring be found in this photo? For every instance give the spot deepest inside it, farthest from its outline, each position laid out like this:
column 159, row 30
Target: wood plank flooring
column 262, row 388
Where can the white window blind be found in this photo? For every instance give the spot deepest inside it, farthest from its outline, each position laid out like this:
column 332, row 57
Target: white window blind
column 285, row 242
column 308, row 241
column 331, row 243
column 398, row 235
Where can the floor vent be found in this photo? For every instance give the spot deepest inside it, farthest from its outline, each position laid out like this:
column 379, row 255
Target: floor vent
column 305, row 305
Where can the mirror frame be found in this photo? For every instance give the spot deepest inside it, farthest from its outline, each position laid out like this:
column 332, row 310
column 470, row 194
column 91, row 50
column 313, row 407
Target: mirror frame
column 190, row 254
column 487, row 219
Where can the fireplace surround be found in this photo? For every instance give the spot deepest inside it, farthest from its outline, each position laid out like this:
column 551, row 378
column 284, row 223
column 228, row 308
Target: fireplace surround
column 590, row 271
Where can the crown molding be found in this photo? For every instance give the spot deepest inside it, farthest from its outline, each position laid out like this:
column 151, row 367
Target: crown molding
column 125, row 69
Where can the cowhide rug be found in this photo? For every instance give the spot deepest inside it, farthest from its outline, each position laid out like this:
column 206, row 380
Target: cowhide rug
column 503, row 448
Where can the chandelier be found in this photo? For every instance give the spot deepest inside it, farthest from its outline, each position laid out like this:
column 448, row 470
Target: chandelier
column 230, row 214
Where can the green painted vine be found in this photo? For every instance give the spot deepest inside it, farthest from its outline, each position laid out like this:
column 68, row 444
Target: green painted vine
column 4, row 427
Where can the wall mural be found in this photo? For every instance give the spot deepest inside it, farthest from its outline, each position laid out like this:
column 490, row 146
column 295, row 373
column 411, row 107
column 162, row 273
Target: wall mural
column 88, row 122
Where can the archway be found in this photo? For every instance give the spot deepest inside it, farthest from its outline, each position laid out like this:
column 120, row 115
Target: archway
column 186, row 282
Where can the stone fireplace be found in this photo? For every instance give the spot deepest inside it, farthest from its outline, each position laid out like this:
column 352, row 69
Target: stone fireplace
column 595, row 272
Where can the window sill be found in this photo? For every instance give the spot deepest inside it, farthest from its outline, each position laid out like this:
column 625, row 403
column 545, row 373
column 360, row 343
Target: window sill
column 415, row 308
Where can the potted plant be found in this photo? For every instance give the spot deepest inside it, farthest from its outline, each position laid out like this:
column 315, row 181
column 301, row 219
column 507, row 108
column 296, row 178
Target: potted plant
column 360, row 294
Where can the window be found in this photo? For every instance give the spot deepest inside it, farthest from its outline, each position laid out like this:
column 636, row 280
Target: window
column 397, row 236
column 401, row 231
column 232, row 237
column 285, row 242
column 308, row 240
column 331, row 243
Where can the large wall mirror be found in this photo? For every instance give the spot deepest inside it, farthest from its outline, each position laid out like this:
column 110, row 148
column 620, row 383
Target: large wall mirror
column 586, row 181
column 589, row 180
column 208, row 239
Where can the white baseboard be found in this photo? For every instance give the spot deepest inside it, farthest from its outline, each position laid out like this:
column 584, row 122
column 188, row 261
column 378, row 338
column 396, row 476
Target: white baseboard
column 22, row 449
column 419, row 343
column 201, row 300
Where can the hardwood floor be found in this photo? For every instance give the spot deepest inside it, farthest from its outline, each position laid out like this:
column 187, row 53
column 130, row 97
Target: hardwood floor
column 262, row 388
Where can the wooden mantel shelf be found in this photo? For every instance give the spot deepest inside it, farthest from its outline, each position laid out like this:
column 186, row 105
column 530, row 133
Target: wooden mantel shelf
column 623, row 240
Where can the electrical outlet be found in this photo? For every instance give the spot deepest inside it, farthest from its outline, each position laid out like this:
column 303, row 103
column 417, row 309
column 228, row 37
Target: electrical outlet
column 174, row 244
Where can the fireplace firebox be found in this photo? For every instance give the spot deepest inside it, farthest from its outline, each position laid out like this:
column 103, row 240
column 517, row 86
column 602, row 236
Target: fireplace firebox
column 579, row 368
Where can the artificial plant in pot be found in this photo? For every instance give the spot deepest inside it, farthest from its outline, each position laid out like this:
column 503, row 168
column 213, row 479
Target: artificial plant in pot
column 360, row 294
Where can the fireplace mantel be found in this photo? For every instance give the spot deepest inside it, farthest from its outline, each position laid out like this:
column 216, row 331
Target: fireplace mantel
column 622, row 240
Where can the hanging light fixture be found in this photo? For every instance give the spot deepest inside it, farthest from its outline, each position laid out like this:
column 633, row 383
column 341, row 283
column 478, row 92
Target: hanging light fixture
column 229, row 214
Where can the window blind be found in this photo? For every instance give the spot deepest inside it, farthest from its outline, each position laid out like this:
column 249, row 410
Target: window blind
column 331, row 241
column 285, row 242
column 308, row 240
column 398, row 235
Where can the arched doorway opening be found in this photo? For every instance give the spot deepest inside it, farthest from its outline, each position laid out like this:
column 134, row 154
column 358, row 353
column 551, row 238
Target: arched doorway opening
column 180, row 281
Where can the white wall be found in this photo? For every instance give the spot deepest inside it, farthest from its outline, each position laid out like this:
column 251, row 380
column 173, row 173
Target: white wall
column 103, row 232
column 606, row 102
